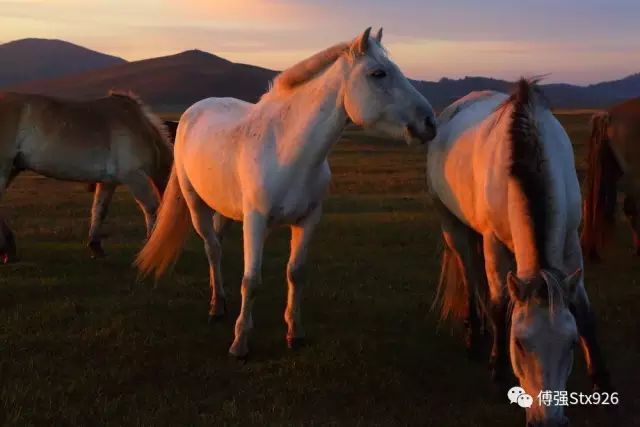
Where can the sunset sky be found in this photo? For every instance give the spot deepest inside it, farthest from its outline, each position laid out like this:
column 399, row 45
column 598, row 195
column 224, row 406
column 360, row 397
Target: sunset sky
column 576, row 41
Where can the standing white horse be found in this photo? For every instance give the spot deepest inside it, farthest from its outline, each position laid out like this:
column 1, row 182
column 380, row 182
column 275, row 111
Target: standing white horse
column 503, row 173
column 266, row 164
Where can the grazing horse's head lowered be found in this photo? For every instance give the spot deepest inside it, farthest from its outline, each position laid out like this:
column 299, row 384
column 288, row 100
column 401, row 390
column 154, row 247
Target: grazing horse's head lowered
column 543, row 337
column 374, row 92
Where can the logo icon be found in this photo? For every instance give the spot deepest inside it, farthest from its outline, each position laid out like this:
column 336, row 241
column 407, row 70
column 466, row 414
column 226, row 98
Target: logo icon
column 525, row 401
column 517, row 395
column 514, row 393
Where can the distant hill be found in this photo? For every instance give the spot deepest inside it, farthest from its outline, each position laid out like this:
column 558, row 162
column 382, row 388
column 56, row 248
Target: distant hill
column 169, row 83
column 172, row 83
column 37, row 59
column 600, row 95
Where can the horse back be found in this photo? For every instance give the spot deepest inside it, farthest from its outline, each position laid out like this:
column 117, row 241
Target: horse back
column 79, row 140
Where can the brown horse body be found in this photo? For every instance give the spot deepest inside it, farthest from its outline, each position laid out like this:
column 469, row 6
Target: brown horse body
column 614, row 166
column 112, row 140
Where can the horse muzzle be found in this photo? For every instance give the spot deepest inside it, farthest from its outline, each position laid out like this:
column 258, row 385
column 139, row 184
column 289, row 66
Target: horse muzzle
column 423, row 132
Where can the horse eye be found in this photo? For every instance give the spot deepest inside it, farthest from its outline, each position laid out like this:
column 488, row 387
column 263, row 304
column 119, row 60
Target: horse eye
column 378, row 74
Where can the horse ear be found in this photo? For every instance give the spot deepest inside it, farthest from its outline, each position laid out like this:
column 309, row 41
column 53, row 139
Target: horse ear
column 361, row 44
column 516, row 287
column 379, row 35
column 571, row 284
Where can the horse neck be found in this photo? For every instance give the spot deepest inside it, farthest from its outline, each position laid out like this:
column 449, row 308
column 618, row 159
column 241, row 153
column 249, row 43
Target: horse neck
column 313, row 117
column 530, row 200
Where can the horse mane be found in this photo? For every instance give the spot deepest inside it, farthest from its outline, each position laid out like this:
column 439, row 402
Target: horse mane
column 161, row 142
column 158, row 124
column 603, row 172
column 307, row 69
column 527, row 157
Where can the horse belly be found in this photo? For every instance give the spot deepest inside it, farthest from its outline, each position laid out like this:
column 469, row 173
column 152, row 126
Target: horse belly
column 67, row 161
column 215, row 182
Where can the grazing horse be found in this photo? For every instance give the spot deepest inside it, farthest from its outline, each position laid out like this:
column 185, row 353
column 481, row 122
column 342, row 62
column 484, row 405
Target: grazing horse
column 614, row 165
column 112, row 140
column 503, row 177
column 266, row 164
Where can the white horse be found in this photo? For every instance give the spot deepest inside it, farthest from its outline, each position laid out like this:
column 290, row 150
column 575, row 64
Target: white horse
column 503, row 173
column 266, row 164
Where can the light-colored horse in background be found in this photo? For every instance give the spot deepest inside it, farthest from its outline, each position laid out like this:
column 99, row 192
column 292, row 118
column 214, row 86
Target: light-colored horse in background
column 266, row 165
column 112, row 140
column 503, row 175
column 614, row 166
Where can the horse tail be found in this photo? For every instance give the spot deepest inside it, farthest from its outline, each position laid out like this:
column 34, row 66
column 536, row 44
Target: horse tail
column 169, row 234
column 599, row 204
column 163, row 145
column 455, row 298
column 451, row 288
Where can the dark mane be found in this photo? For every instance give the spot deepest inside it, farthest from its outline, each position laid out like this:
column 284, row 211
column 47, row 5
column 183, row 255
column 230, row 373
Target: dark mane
column 527, row 159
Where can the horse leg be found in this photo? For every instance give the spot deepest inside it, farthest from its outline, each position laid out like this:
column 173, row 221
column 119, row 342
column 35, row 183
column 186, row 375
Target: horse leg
column 99, row 208
column 586, row 319
column 146, row 196
column 8, row 251
column 497, row 264
column 220, row 225
column 201, row 218
column 631, row 211
column 254, row 229
column 463, row 243
column 300, row 237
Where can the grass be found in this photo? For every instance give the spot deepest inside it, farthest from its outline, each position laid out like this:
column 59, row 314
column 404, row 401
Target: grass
column 82, row 343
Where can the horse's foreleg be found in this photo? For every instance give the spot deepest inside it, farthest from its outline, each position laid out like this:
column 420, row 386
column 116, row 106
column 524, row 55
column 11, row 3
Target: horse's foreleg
column 99, row 208
column 586, row 322
column 146, row 196
column 497, row 264
column 300, row 237
column 633, row 215
column 8, row 251
column 254, row 229
column 586, row 319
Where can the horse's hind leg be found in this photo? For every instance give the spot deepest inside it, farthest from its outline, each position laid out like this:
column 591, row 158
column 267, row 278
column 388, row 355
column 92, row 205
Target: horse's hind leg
column 633, row 215
column 146, row 195
column 209, row 227
column 101, row 200
column 463, row 244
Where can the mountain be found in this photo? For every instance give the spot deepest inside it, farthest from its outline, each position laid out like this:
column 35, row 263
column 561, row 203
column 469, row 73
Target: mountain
column 37, row 59
column 560, row 95
column 169, row 83
column 172, row 83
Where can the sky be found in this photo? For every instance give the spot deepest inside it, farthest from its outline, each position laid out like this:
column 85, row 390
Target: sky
column 574, row 41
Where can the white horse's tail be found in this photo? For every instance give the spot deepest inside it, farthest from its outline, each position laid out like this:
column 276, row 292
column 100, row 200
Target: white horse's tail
column 452, row 297
column 169, row 234
column 451, row 290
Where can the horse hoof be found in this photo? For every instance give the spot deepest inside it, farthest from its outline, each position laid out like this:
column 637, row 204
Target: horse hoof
column 216, row 318
column 8, row 258
column 96, row 250
column 240, row 358
column 295, row 343
column 474, row 354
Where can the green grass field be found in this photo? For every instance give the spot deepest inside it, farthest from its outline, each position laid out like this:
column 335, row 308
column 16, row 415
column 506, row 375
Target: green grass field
column 82, row 343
